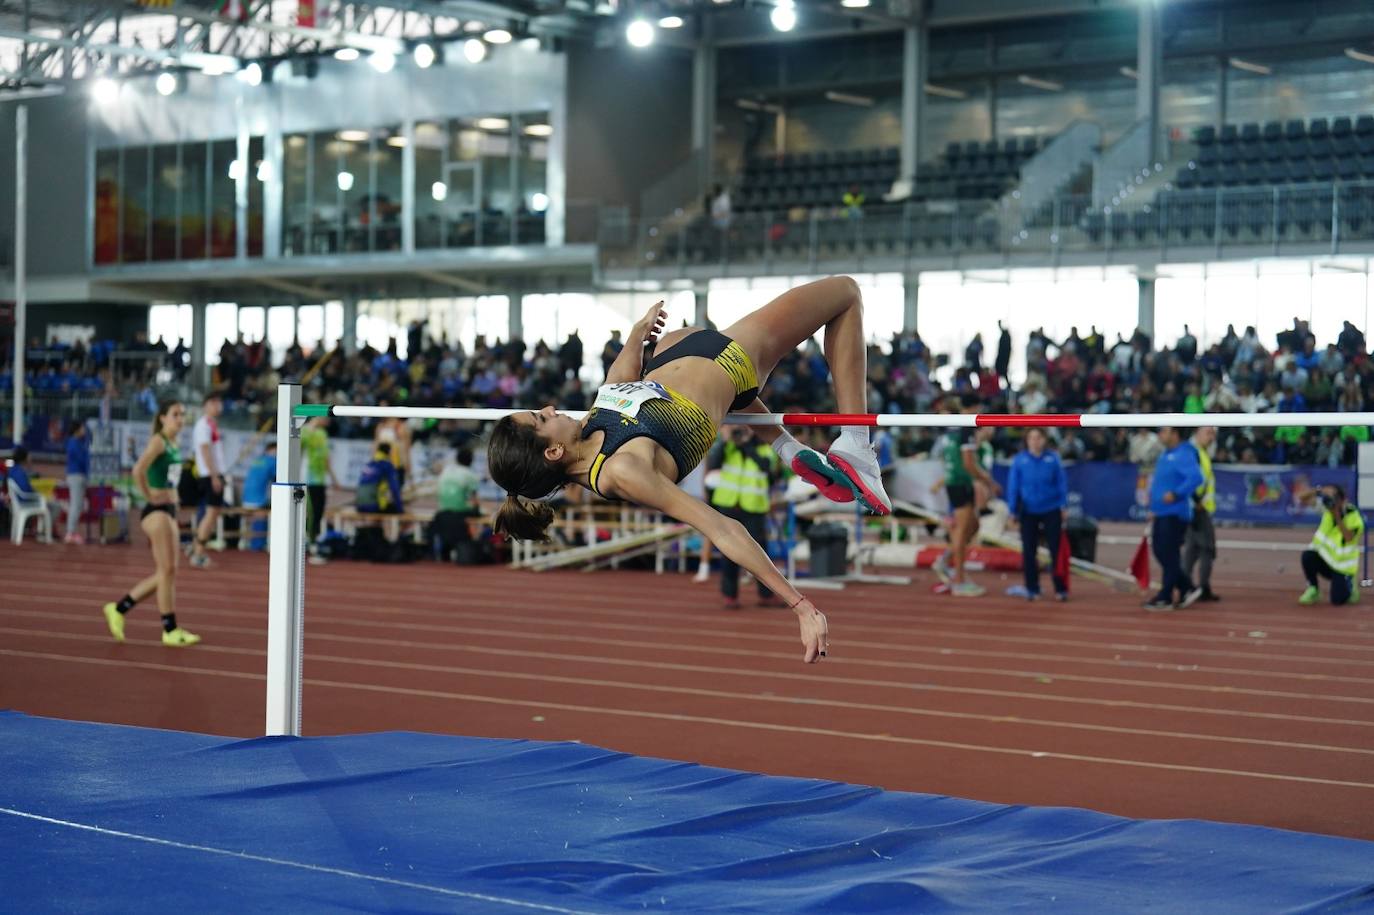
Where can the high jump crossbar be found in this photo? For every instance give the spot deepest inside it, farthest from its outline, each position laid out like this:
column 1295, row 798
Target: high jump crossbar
column 921, row 420
column 286, row 588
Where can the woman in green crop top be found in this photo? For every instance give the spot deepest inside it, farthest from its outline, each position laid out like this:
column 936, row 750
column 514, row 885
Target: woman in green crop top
column 155, row 474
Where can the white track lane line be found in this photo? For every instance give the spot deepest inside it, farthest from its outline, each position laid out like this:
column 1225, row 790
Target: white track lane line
column 738, row 697
column 921, row 688
column 1036, row 674
column 299, row 865
column 708, row 720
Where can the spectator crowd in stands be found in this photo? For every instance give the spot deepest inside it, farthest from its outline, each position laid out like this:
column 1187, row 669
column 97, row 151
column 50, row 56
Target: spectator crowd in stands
column 1082, row 373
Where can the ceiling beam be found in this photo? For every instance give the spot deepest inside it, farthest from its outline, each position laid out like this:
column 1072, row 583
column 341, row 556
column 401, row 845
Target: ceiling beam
column 458, row 282
column 300, row 289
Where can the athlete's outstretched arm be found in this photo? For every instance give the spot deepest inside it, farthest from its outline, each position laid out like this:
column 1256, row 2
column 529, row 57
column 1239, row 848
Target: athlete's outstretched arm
column 629, row 365
column 635, row 479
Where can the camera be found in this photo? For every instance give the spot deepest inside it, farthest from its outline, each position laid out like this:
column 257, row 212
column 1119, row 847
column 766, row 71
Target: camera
column 1327, row 500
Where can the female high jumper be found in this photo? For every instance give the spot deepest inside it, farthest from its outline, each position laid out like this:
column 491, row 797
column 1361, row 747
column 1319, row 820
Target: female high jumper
column 652, row 422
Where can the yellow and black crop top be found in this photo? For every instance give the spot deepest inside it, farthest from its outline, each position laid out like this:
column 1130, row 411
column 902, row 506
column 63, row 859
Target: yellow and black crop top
column 646, row 408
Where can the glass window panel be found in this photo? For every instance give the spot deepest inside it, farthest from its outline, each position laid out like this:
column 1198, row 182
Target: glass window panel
column 533, row 152
column 281, row 329
column 295, row 196
column 194, row 191
column 386, row 199
column 162, row 324
column 352, row 180
column 107, row 193
column 135, row 244
column 326, row 154
column 311, row 329
column 221, row 326
column 465, row 181
column 223, row 211
column 256, row 176
column 165, row 190
column 431, row 189
column 1337, row 296
column 333, row 324
column 252, row 324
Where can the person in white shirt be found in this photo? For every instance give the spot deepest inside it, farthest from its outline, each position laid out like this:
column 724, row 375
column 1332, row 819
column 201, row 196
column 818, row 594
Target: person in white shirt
column 208, row 449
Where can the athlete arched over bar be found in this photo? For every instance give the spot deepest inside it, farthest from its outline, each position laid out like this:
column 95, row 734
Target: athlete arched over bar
column 654, row 420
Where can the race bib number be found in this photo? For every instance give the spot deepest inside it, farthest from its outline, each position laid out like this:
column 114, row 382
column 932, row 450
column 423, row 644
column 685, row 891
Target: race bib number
column 629, row 396
column 174, row 476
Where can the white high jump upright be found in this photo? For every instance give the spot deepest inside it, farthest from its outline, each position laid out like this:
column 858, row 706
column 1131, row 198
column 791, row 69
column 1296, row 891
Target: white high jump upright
column 286, row 581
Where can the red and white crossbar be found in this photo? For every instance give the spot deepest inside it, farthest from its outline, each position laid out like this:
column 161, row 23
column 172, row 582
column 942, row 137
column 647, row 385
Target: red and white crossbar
column 923, row 420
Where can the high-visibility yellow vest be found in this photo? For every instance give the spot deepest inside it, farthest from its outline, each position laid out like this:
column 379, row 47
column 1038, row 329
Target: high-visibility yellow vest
column 1329, row 542
column 1208, row 489
column 744, row 479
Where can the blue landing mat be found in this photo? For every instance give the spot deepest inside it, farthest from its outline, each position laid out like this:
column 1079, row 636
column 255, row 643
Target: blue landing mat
column 105, row 818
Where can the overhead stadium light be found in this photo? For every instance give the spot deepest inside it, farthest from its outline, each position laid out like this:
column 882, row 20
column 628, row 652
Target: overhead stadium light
column 353, row 136
column 945, row 91
column 784, row 15
column 539, row 202
column 475, row 50
column 1361, row 56
column 105, row 91
column 345, row 181
column 439, row 191
column 845, row 98
column 1048, row 85
column 493, row 124
column 670, row 22
column 498, row 36
column 539, row 130
column 251, row 74
column 347, row 54
column 424, row 55
column 854, row 4
column 166, row 83
column 639, row 33
column 1249, row 67
column 382, row 61
column 1130, row 73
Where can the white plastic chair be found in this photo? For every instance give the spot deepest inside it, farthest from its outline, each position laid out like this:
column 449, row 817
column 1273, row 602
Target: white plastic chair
column 26, row 505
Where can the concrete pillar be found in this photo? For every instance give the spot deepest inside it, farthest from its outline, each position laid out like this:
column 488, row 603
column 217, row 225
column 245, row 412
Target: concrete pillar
column 915, row 66
column 1145, row 306
column 1223, row 90
column 350, row 324
column 516, row 300
column 1149, row 63
column 911, row 286
column 704, row 104
column 199, row 374
column 699, row 316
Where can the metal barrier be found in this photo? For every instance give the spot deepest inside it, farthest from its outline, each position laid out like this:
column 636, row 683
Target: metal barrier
column 1259, row 219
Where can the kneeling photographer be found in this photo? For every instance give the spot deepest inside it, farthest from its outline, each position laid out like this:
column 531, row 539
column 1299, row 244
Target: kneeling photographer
column 1335, row 549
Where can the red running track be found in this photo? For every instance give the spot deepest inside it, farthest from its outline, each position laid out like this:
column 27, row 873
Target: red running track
column 1253, row 710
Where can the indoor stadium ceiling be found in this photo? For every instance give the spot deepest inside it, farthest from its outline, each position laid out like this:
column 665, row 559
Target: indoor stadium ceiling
column 45, row 44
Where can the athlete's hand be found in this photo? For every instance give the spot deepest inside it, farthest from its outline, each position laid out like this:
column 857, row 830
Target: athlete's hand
column 815, row 632
column 651, row 325
column 217, row 483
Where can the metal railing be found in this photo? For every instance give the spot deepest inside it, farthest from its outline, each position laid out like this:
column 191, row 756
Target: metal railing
column 1256, row 220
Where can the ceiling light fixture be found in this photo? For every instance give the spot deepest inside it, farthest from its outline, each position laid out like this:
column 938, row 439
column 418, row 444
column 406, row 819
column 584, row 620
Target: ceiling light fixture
column 539, row 130
column 945, row 91
column 639, row 33
column 347, row 54
column 498, row 36
column 846, row 98
column 1249, row 67
column 784, row 15
column 475, row 50
column 670, row 22
column 1048, row 85
column 424, row 55
column 1361, row 56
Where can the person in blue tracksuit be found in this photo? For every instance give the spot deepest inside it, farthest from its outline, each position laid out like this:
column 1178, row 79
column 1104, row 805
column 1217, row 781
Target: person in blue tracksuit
column 1038, row 496
column 1177, row 475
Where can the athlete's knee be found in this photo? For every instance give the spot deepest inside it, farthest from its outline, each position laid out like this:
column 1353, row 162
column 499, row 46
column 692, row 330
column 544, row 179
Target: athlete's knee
column 851, row 289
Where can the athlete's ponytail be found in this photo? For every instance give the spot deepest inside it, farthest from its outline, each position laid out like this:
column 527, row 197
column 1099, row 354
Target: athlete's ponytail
column 516, row 462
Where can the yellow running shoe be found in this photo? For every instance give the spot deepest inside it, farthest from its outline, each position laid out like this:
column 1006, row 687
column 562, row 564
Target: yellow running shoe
column 179, row 638
column 115, row 620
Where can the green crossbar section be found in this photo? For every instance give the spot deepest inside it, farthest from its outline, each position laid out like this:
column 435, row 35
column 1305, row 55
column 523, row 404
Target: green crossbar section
column 311, row 409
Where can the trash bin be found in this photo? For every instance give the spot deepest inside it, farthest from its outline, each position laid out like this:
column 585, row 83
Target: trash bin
column 1082, row 538
column 829, row 542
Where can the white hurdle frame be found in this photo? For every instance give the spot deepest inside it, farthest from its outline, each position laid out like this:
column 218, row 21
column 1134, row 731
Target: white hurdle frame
column 286, row 583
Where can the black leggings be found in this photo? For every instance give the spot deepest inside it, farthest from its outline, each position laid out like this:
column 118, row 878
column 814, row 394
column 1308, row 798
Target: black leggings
column 315, row 495
column 1342, row 586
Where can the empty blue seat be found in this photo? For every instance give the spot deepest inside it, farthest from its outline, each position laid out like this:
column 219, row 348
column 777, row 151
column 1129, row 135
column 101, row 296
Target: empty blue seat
column 1206, row 135
column 1364, row 125
column 1229, row 133
column 1340, row 127
column 1273, row 130
column 1250, row 131
column 1295, row 130
column 1317, row 128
